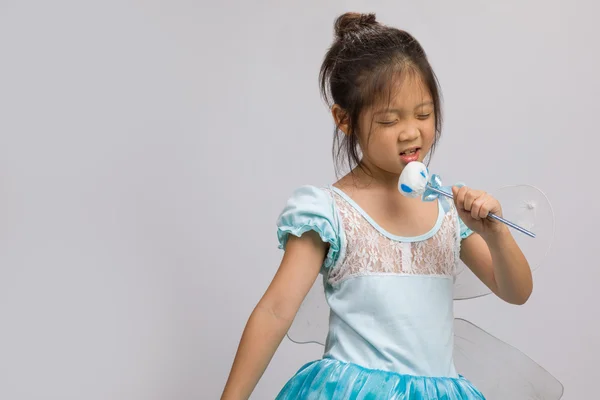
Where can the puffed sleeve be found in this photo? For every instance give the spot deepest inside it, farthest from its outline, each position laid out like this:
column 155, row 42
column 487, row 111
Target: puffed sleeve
column 465, row 232
column 311, row 208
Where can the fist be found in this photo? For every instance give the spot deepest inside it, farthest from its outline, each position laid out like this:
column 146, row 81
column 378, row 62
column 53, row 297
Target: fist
column 474, row 206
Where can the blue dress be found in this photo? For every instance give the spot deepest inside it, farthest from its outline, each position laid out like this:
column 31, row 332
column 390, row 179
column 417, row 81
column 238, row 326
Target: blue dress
column 391, row 304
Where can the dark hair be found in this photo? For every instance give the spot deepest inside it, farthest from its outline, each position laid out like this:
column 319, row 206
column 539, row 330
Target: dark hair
column 358, row 68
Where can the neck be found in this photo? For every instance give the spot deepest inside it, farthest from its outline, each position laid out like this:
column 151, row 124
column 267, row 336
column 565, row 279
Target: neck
column 370, row 175
column 381, row 184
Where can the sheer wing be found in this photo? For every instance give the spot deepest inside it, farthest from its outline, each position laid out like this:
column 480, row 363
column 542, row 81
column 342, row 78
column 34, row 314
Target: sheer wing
column 528, row 207
column 499, row 370
column 311, row 323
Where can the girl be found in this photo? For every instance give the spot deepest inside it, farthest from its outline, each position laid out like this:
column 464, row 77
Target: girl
column 387, row 260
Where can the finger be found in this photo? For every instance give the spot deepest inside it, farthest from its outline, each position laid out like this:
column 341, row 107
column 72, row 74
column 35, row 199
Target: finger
column 495, row 206
column 455, row 190
column 476, row 207
column 470, row 197
column 484, row 206
column 460, row 198
column 454, row 194
column 489, row 206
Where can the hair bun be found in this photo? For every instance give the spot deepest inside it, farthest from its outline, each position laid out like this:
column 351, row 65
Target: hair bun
column 353, row 22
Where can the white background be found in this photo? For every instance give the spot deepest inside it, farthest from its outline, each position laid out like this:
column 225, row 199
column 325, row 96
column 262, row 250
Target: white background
column 147, row 148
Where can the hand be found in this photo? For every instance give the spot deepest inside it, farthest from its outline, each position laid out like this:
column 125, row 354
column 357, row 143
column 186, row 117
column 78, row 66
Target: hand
column 474, row 206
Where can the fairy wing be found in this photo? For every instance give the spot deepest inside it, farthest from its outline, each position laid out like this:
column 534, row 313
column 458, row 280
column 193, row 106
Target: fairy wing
column 311, row 323
column 528, row 207
column 499, row 370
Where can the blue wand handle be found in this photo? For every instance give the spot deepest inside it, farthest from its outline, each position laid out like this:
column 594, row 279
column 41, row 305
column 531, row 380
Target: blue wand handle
column 490, row 215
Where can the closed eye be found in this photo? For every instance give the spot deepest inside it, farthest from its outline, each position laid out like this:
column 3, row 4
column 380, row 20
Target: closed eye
column 423, row 116
column 387, row 122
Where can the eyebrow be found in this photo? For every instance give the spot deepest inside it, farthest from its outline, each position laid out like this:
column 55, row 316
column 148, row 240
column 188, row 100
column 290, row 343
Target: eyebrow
column 427, row 103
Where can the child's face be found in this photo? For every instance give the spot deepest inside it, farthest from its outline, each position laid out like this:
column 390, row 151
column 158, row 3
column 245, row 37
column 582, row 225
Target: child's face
column 392, row 134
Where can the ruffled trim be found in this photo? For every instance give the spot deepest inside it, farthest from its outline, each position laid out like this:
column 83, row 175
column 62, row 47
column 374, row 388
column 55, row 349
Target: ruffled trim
column 311, row 208
column 334, row 247
column 465, row 232
column 335, row 380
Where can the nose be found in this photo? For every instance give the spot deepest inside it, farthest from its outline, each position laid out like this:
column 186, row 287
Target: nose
column 409, row 133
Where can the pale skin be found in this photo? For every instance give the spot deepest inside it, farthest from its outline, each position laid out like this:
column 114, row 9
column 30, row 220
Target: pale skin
column 406, row 122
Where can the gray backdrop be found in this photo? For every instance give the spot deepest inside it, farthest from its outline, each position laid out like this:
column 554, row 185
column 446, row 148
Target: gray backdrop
column 147, row 147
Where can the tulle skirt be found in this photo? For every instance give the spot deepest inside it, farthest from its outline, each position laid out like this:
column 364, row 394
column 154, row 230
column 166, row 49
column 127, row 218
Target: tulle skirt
column 329, row 379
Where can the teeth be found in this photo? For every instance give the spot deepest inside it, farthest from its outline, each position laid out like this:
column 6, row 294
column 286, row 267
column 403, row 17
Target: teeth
column 409, row 152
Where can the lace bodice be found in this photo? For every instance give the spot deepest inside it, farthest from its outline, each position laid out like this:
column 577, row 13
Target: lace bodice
column 369, row 250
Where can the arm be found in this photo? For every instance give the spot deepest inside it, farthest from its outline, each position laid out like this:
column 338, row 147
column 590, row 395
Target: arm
column 500, row 265
column 491, row 252
column 274, row 313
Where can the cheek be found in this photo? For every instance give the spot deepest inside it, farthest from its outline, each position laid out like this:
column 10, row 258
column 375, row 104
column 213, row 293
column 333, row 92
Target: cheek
column 428, row 133
column 381, row 144
column 365, row 134
column 383, row 139
column 373, row 136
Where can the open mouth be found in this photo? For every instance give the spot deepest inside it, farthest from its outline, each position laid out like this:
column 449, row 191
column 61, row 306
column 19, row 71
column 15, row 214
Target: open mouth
column 409, row 152
column 410, row 155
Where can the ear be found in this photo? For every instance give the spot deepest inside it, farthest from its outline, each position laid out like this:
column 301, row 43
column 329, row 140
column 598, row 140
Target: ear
column 341, row 118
